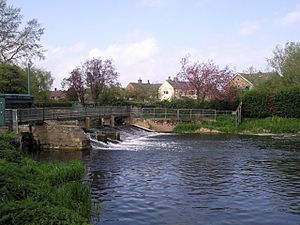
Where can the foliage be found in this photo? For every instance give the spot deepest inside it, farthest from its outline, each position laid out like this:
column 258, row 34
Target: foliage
column 206, row 78
column 113, row 96
column 248, row 126
column 12, row 79
column 53, row 103
column 19, row 43
column 195, row 104
column 261, row 103
column 270, row 125
column 41, row 83
column 99, row 74
column 32, row 192
column 286, row 61
column 94, row 76
column 77, row 82
column 143, row 92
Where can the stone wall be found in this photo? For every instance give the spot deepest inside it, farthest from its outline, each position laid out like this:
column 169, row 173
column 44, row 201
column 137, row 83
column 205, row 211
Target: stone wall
column 155, row 125
column 52, row 136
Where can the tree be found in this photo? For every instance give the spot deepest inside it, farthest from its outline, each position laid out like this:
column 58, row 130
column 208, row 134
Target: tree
column 12, row 79
column 18, row 44
column 99, row 74
column 41, row 83
column 286, row 62
column 76, row 81
column 205, row 78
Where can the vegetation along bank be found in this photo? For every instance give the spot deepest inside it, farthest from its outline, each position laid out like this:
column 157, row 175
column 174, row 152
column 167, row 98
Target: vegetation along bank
column 39, row 193
column 275, row 125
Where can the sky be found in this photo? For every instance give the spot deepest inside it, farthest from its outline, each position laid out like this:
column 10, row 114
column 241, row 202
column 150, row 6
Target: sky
column 147, row 38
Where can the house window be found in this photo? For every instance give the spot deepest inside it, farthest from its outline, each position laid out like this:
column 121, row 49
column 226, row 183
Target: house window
column 166, row 92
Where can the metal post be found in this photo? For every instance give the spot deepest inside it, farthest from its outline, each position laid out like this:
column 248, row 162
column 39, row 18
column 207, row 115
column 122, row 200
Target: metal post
column 15, row 125
column 28, row 85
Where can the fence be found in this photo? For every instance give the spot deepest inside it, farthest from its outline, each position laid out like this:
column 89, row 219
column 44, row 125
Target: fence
column 41, row 114
column 182, row 114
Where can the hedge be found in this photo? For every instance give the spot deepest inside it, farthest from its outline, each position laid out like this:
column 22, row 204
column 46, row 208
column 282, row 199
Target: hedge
column 261, row 104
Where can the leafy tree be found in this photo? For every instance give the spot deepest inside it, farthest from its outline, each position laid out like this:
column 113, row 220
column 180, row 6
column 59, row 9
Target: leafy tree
column 41, row 83
column 18, row 43
column 77, row 82
column 286, row 61
column 99, row 75
column 205, row 78
column 71, row 94
column 94, row 76
column 12, row 79
column 113, row 96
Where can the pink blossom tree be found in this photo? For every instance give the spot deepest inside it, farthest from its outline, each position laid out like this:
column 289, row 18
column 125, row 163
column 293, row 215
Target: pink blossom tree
column 206, row 78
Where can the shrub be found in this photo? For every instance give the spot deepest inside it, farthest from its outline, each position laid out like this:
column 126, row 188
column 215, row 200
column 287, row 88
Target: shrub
column 261, row 104
column 32, row 212
column 33, row 192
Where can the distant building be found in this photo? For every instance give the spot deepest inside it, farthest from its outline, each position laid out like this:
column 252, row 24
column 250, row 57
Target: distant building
column 248, row 81
column 142, row 91
column 174, row 89
column 57, row 94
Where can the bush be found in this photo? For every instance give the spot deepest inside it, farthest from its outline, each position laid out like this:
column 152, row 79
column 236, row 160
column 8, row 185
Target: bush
column 261, row 104
column 29, row 211
column 32, row 192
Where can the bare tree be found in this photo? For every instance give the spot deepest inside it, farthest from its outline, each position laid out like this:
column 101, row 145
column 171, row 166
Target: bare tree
column 76, row 81
column 99, row 74
column 205, row 78
column 18, row 44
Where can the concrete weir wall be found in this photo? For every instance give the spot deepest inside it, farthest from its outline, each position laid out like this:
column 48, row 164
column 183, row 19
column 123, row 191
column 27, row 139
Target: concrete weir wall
column 156, row 125
column 56, row 137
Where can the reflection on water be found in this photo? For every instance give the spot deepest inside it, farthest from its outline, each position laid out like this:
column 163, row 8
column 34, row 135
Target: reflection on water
column 191, row 179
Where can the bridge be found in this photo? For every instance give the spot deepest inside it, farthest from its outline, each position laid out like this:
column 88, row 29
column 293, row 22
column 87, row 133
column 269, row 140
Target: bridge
column 14, row 117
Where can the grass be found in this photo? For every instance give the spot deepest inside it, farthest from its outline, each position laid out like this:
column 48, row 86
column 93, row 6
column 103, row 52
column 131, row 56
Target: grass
column 227, row 125
column 32, row 192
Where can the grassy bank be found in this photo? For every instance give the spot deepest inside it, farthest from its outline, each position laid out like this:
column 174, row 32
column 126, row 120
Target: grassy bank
column 254, row 126
column 32, row 192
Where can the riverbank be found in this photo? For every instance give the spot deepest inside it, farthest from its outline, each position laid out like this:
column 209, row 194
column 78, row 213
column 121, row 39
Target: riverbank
column 275, row 125
column 33, row 192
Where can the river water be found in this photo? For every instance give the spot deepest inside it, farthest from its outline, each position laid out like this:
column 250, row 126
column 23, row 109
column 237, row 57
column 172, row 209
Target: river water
column 157, row 179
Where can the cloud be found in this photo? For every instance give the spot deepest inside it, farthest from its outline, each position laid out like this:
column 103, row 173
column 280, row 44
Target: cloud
column 292, row 17
column 249, row 28
column 130, row 53
column 61, row 60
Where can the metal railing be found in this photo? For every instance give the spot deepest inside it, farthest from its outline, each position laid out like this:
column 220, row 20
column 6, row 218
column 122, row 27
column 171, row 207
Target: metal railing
column 28, row 115
column 182, row 114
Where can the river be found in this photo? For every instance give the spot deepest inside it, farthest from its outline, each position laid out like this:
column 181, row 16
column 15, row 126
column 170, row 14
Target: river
column 170, row 179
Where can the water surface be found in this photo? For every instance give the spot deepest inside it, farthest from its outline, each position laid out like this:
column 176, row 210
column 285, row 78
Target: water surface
column 191, row 179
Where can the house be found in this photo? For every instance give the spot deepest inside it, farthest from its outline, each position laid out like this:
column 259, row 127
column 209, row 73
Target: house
column 248, row 81
column 57, row 94
column 172, row 89
column 142, row 91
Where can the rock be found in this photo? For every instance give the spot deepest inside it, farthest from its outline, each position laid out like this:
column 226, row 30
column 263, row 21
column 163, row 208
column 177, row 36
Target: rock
column 207, row 131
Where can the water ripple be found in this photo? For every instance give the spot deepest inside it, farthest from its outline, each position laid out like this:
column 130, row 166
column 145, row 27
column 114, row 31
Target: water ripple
column 183, row 179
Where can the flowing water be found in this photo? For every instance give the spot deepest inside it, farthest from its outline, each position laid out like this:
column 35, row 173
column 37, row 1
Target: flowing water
column 160, row 179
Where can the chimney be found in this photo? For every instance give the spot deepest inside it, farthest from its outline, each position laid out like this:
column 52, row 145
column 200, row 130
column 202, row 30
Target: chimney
column 140, row 81
column 169, row 78
column 55, row 89
column 148, row 81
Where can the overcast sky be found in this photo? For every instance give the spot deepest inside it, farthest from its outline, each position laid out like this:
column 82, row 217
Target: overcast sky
column 148, row 38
